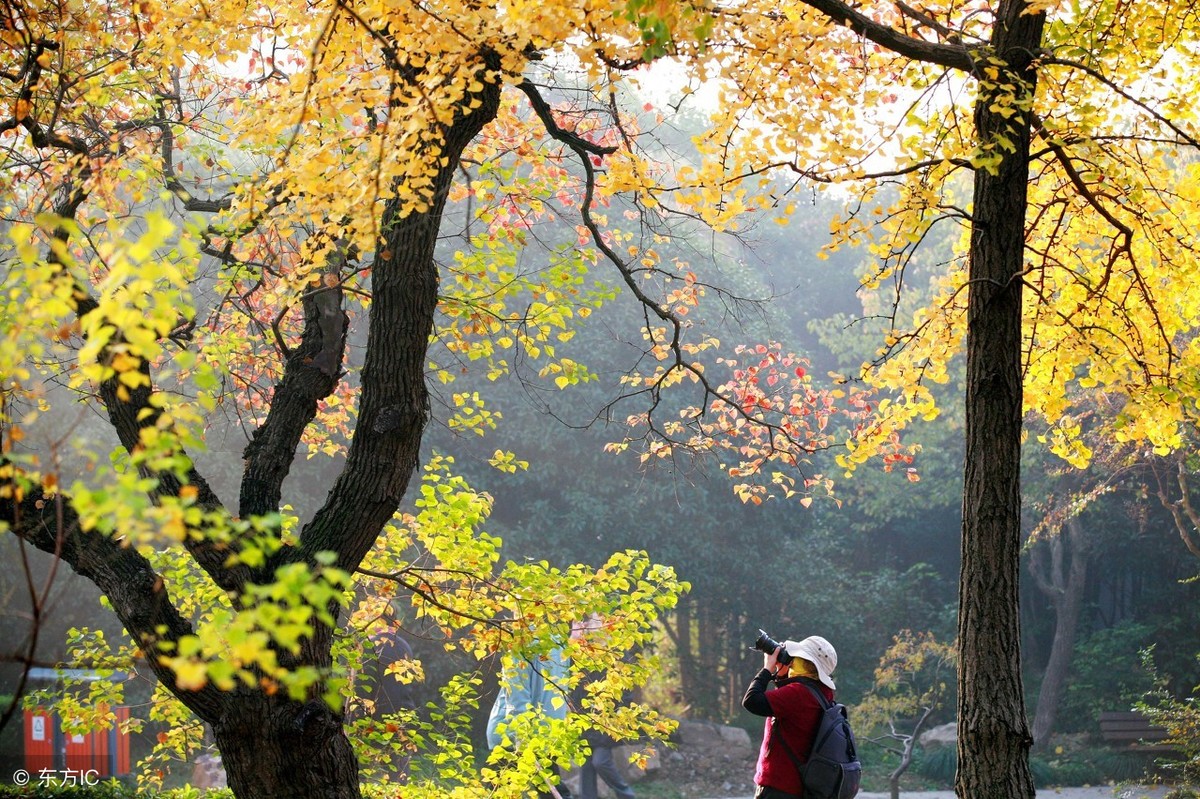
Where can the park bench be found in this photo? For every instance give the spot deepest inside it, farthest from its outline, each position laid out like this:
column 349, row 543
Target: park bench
column 1132, row 730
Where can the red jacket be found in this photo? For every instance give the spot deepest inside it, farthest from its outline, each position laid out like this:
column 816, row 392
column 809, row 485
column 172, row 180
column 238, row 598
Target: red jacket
column 792, row 714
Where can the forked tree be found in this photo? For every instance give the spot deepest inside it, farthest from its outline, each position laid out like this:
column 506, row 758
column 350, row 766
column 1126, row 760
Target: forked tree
column 234, row 212
column 309, row 153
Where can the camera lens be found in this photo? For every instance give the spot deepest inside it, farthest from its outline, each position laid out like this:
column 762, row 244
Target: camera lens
column 767, row 644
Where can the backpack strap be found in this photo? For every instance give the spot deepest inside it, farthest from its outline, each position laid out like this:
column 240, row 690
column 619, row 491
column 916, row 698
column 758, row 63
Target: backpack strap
column 811, row 685
column 787, row 749
column 814, row 686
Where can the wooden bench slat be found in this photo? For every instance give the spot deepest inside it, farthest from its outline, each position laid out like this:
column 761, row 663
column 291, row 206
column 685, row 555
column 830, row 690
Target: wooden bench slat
column 1122, row 715
column 1132, row 728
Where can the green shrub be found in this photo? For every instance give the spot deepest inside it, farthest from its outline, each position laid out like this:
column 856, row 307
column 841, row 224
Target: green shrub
column 1044, row 773
column 1062, row 768
column 1076, row 767
column 1183, row 793
column 1107, row 673
column 110, row 789
column 939, row 764
column 1123, row 766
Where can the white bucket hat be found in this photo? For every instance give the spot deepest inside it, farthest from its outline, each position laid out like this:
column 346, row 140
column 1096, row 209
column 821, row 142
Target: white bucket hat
column 819, row 652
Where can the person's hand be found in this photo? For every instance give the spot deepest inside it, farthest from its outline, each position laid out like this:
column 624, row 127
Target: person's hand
column 771, row 661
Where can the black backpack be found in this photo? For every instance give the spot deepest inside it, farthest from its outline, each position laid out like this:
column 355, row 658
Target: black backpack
column 832, row 770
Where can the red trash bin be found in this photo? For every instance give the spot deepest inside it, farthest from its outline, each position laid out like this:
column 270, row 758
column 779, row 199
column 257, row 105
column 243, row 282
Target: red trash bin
column 104, row 753
column 40, row 728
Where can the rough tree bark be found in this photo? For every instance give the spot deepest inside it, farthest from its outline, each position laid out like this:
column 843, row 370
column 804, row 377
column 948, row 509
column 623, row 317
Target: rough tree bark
column 273, row 746
column 994, row 740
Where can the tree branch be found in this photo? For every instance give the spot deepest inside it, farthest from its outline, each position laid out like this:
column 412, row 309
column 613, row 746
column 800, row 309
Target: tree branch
column 546, row 115
column 311, row 373
column 428, row 592
column 166, row 152
column 1077, row 181
column 137, row 593
column 1184, row 514
column 130, row 410
column 584, row 151
column 954, row 56
column 394, row 399
column 1142, row 104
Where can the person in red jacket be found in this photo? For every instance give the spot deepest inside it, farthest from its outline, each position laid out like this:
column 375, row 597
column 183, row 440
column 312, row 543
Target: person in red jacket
column 791, row 710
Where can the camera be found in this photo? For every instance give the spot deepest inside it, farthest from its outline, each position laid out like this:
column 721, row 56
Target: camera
column 767, row 644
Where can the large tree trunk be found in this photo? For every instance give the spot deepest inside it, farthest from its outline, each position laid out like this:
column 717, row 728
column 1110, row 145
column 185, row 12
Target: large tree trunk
column 1067, row 597
column 274, row 747
column 994, row 740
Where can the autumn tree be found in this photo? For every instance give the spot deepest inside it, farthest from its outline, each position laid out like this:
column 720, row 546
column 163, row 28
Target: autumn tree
column 912, row 683
column 1069, row 130
column 307, row 196
column 310, row 154
column 235, row 210
column 1056, row 136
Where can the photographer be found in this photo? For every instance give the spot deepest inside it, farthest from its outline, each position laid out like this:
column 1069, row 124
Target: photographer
column 791, row 710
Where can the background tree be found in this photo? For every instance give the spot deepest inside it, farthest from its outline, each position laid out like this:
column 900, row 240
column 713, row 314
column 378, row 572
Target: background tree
column 1172, row 478
column 1054, row 218
column 912, row 684
column 1063, row 543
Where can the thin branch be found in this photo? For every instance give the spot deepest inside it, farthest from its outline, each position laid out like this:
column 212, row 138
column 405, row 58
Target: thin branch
column 173, row 184
column 585, row 151
column 1142, row 104
column 1184, row 514
column 1082, row 187
column 428, row 592
column 137, row 593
